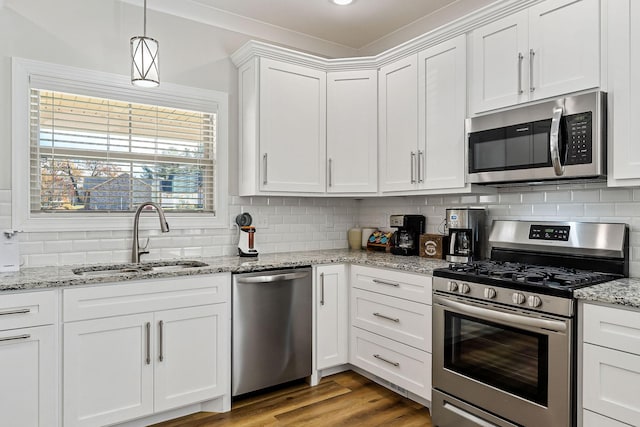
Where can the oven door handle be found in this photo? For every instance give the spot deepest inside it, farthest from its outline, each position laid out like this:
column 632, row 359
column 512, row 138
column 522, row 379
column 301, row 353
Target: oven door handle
column 500, row 316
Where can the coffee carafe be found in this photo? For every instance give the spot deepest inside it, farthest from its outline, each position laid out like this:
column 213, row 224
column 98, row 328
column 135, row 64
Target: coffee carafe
column 406, row 239
column 466, row 234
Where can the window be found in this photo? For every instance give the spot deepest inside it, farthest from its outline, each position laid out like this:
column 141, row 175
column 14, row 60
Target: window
column 95, row 155
column 98, row 147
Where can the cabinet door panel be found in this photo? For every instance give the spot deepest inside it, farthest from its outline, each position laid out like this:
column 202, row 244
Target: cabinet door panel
column 500, row 72
column 565, row 39
column 106, row 375
column 194, row 365
column 352, row 131
column 292, row 127
column 28, row 377
column 624, row 104
column 332, row 316
column 611, row 381
column 442, row 89
column 398, row 122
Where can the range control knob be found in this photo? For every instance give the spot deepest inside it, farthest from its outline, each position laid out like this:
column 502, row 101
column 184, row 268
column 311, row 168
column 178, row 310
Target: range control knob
column 452, row 286
column 489, row 293
column 518, row 298
column 464, row 288
column 534, row 301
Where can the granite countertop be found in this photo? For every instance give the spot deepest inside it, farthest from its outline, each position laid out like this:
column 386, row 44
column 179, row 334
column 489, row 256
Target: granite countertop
column 625, row 292
column 62, row 276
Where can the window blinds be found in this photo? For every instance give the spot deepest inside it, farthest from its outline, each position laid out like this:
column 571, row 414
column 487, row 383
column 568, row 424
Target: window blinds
column 92, row 154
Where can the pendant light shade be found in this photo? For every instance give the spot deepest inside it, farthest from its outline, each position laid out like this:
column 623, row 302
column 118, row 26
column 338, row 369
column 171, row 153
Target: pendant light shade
column 145, row 71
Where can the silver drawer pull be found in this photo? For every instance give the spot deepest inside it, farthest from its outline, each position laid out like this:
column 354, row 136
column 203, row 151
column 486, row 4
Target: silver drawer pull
column 377, row 356
column 382, row 282
column 148, row 331
column 21, row 311
column 16, row 337
column 393, row 319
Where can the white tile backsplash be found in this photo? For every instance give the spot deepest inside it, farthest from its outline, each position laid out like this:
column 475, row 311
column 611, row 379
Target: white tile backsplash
column 299, row 224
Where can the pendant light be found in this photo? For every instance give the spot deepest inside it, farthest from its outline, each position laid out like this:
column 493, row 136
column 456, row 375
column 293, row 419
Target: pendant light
column 144, row 58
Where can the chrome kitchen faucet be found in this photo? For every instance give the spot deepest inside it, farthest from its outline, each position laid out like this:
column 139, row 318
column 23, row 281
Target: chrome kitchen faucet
column 164, row 226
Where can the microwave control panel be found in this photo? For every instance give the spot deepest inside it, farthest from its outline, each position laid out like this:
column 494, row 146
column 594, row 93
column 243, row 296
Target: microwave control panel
column 549, row 232
column 579, row 142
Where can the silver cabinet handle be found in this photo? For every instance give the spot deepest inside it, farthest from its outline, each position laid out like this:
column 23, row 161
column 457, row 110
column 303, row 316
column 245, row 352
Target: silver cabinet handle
column 413, row 167
column 20, row 311
column 520, row 59
column 377, row 356
column 272, row 278
column 148, row 328
column 330, row 167
column 532, row 54
column 321, row 288
column 393, row 319
column 16, row 337
column 161, row 345
column 382, row 282
column 420, row 171
column 554, row 141
column 264, row 164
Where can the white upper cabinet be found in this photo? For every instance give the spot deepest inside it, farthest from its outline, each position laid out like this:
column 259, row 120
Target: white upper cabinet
column 292, row 127
column 442, row 99
column 398, row 123
column 499, row 73
column 624, row 89
column 551, row 49
column 352, row 132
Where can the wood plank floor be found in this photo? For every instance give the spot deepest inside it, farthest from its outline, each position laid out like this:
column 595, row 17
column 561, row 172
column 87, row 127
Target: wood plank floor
column 345, row 399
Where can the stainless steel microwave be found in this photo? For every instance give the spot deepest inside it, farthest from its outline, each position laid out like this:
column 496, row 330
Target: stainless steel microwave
column 560, row 139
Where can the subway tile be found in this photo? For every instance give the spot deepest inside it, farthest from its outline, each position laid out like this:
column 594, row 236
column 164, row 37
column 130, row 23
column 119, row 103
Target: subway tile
column 548, row 209
column 42, row 260
column 557, row 196
column 599, row 209
column 585, row 196
column 615, row 195
column 509, row 198
column 571, row 209
column 533, row 197
column 627, row 209
column 56, row 246
column 72, row 258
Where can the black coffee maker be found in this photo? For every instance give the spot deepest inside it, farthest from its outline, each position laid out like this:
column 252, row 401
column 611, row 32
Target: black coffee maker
column 406, row 240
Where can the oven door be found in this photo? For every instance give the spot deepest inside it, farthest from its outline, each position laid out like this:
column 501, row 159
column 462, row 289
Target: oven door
column 511, row 363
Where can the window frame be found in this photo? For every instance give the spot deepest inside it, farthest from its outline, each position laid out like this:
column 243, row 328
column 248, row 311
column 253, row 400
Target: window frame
column 114, row 86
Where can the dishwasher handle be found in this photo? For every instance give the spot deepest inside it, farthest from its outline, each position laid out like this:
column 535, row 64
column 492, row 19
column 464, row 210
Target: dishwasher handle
column 269, row 278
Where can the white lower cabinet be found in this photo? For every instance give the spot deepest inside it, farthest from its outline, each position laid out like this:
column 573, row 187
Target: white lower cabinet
column 610, row 366
column 332, row 316
column 28, row 360
column 136, row 364
column 390, row 333
column 28, row 386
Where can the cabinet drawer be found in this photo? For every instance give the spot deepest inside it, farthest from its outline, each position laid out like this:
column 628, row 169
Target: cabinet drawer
column 591, row 419
column 414, row 287
column 612, row 327
column 27, row 309
column 397, row 363
column 144, row 295
column 401, row 320
column 611, row 381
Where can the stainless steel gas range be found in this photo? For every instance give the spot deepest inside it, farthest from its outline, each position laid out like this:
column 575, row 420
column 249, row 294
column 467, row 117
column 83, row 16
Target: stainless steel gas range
column 504, row 330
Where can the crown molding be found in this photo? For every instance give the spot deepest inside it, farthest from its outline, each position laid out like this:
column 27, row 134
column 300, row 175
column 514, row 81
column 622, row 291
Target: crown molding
column 469, row 22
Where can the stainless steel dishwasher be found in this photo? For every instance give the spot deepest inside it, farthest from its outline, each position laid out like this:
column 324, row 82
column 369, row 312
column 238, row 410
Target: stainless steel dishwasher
column 271, row 323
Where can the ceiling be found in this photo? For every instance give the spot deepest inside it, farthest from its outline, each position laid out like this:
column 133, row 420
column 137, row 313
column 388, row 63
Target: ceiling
column 355, row 26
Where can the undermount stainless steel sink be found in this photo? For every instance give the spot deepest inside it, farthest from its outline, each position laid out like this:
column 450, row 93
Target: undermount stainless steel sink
column 115, row 269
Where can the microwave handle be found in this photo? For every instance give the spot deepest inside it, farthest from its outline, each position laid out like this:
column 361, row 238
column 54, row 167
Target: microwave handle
column 554, row 141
